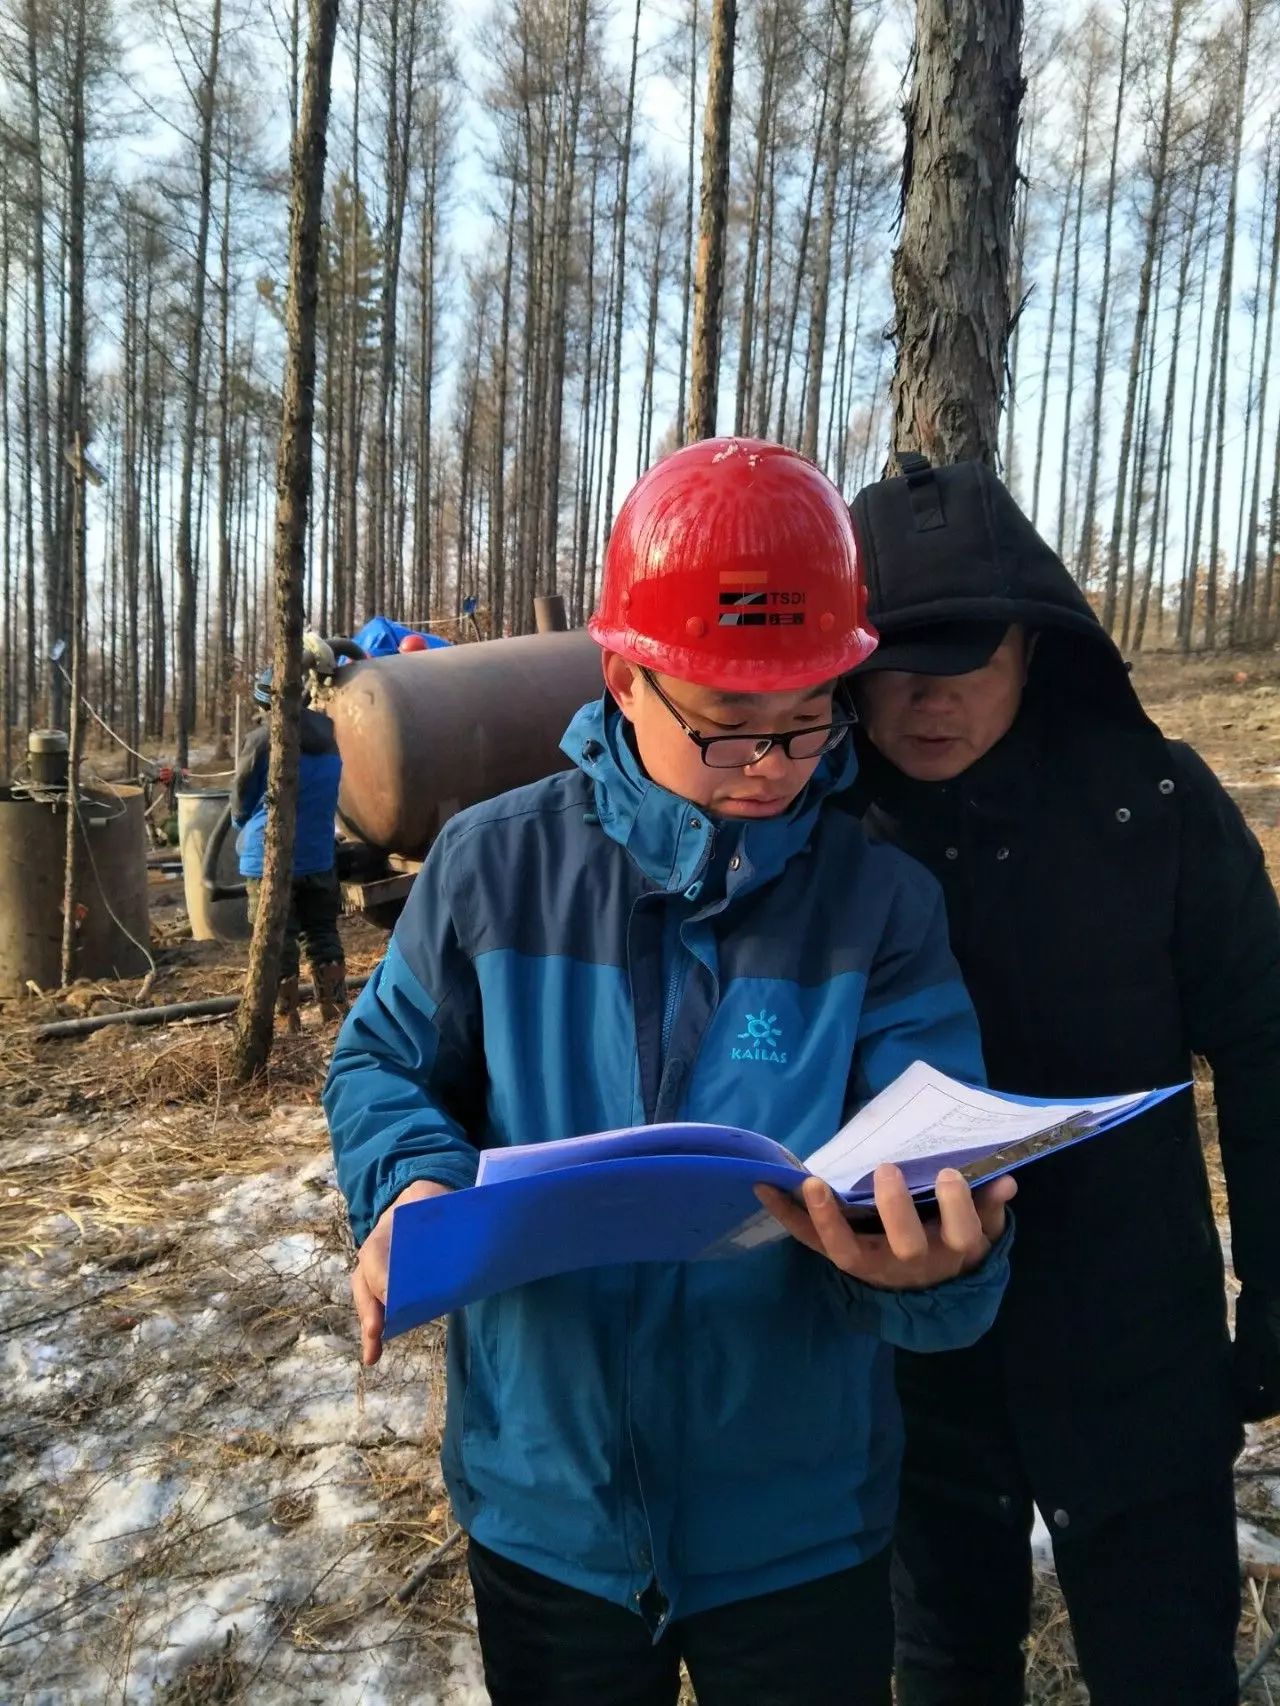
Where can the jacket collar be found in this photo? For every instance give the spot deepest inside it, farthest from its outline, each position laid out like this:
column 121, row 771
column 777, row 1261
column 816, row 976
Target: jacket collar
column 669, row 838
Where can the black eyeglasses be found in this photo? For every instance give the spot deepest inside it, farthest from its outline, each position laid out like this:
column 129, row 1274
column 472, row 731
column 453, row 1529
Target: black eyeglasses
column 736, row 752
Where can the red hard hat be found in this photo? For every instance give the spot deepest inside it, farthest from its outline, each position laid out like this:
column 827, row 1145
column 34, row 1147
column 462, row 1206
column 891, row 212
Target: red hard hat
column 413, row 643
column 732, row 564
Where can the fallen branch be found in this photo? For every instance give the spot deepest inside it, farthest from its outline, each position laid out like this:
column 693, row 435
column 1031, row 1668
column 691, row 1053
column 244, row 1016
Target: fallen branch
column 219, row 1006
column 429, row 1563
column 1261, row 1661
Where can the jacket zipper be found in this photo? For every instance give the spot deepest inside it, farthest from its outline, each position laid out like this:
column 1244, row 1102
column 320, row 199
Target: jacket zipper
column 675, row 992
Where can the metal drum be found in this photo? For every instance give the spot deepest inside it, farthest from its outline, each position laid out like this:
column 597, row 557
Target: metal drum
column 112, row 933
column 424, row 734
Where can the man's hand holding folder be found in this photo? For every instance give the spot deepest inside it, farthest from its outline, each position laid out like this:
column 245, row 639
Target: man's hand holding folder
column 369, row 1280
column 910, row 1253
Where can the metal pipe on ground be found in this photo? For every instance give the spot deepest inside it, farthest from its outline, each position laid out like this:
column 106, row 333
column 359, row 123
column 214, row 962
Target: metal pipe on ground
column 216, row 1006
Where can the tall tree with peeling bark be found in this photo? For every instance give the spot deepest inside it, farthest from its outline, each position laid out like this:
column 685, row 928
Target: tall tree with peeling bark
column 254, row 1020
column 951, row 267
column 709, row 279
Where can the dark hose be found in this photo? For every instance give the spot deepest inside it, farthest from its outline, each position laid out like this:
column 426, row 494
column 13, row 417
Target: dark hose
column 209, row 867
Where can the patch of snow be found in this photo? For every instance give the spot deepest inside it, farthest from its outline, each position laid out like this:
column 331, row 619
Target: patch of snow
column 295, row 1254
column 199, row 1458
column 125, row 1508
column 29, row 1367
column 1258, row 1546
column 465, row 1686
column 247, row 1200
column 1041, row 1543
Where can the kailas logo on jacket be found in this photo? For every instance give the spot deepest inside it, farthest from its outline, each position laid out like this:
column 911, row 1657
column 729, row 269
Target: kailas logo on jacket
column 761, row 1037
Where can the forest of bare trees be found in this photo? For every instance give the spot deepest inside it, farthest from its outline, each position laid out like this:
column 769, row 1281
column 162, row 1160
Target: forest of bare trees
column 515, row 268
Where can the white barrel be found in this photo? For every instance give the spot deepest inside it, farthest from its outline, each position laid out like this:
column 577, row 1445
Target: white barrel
column 211, row 920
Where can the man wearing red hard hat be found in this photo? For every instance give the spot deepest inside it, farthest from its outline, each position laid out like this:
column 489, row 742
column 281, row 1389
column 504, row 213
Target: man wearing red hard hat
column 696, row 1462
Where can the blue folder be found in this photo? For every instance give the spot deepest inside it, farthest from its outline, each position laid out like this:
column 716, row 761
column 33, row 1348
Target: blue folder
column 614, row 1205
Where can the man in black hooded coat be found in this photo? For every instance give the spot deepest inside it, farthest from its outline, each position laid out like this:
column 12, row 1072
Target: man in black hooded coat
column 1112, row 916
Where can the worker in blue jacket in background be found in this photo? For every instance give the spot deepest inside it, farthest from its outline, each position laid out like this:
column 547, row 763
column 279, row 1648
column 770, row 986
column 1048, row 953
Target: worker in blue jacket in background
column 315, row 895
column 695, row 1461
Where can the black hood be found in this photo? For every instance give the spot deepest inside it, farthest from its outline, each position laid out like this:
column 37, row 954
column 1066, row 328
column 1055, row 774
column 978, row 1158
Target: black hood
column 943, row 545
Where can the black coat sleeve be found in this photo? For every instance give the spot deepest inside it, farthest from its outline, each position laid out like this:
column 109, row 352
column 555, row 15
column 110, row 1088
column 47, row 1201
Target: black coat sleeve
column 1227, row 949
column 250, row 780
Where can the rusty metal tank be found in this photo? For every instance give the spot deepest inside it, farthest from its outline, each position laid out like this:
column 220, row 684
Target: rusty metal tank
column 113, row 929
column 423, row 734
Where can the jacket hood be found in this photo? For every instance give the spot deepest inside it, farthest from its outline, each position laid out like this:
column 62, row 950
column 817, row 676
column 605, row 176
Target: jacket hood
column 951, row 544
column 670, row 839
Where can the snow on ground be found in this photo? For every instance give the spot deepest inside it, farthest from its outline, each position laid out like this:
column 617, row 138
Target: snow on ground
column 201, row 1495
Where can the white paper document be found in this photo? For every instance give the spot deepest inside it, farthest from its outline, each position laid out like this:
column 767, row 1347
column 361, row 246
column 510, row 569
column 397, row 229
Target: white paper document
column 924, row 1114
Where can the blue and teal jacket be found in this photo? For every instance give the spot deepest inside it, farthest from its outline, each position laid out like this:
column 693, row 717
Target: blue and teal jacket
column 593, row 952
column 319, row 777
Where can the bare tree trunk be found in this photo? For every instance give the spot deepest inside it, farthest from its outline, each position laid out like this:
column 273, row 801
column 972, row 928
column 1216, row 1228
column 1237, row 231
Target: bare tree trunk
column 802, row 253
column 566, row 179
column 1265, row 618
column 399, row 132
column 1191, row 578
column 1063, row 536
column 709, row 281
column 1249, row 591
column 78, row 433
column 351, row 527
column 826, row 238
column 1164, row 467
column 498, row 552
column 186, row 634
column 222, row 642
column 620, row 301
column 848, row 349
column 293, row 494
column 1235, row 632
column 687, row 284
column 31, row 679
column 1154, row 225
column 1225, row 305
column 8, row 589
column 951, row 269
column 1015, row 297
column 583, row 541
column 131, row 508
column 1188, row 571
column 1085, row 562
column 1139, row 488
column 53, row 576
column 437, row 145
column 1048, row 345
column 764, row 378
column 644, row 438
column 769, row 27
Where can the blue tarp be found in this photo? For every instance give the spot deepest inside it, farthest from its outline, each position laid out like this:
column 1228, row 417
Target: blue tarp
column 380, row 637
